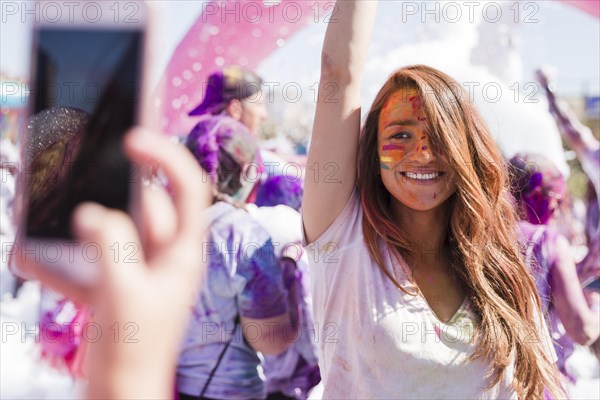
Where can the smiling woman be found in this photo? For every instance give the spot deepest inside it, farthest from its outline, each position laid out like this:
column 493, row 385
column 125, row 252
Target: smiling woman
column 427, row 282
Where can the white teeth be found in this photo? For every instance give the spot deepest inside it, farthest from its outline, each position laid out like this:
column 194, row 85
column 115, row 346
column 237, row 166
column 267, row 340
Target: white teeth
column 422, row 176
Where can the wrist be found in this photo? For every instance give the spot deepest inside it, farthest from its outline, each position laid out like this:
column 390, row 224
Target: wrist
column 130, row 371
column 132, row 382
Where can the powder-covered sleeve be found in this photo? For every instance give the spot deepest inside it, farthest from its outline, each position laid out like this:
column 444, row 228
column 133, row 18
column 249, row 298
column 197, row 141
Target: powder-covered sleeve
column 344, row 231
column 549, row 248
column 263, row 295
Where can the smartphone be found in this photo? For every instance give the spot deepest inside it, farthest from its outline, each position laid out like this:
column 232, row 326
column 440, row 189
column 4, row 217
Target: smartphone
column 592, row 284
column 87, row 89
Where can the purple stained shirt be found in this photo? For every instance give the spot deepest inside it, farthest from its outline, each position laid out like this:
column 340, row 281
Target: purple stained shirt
column 293, row 372
column 538, row 242
column 243, row 277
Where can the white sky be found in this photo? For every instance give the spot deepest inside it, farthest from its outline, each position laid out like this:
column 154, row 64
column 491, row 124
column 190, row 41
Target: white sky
column 563, row 37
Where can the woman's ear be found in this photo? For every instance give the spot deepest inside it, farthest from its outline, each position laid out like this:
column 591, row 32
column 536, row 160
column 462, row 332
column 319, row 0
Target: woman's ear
column 234, row 109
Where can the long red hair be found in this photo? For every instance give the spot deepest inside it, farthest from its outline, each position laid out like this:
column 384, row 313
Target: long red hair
column 481, row 227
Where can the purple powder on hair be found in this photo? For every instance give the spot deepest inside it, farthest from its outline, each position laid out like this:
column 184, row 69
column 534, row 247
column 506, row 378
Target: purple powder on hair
column 536, row 183
column 281, row 189
column 224, row 147
column 536, row 180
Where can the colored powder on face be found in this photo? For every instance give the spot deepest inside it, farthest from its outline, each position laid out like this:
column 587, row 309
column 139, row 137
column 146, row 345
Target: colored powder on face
column 538, row 201
column 383, row 166
column 396, row 155
column 536, row 180
column 538, row 208
column 416, row 103
column 392, row 147
column 393, row 153
column 424, row 148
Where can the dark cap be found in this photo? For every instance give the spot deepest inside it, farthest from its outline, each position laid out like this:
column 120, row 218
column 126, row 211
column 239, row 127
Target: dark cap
column 225, row 85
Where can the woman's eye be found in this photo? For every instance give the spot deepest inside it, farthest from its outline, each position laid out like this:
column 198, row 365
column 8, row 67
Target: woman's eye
column 400, row 135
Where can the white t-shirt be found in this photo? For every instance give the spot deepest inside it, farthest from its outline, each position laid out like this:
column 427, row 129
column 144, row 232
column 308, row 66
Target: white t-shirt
column 376, row 342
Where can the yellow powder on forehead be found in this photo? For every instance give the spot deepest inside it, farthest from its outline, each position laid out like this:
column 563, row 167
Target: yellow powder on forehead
column 401, row 97
column 405, row 93
column 406, row 101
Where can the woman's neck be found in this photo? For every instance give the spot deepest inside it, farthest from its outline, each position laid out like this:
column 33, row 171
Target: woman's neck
column 426, row 231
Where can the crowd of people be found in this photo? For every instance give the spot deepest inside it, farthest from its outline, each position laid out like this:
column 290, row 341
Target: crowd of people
column 432, row 267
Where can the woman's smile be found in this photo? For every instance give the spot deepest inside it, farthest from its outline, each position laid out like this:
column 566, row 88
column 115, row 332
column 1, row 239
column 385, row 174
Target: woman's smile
column 421, row 178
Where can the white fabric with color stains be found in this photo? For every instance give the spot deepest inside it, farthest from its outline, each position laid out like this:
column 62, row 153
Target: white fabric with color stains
column 377, row 342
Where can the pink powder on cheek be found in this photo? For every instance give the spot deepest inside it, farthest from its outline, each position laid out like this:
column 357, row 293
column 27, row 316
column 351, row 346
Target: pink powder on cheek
column 392, row 147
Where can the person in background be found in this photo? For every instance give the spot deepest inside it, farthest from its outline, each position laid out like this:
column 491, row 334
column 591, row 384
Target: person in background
column 539, row 188
column 246, row 305
column 587, row 148
column 237, row 92
column 292, row 374
column 51, row 147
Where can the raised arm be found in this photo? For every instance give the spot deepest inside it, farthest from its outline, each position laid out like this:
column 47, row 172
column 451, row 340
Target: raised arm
column 581, row 323
column 333, row 150
column 578, row 136
column 588, row 269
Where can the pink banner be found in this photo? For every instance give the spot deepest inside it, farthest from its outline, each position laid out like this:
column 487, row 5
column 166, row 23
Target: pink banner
column 242, row 32
column 229, row 32
column 591, row 7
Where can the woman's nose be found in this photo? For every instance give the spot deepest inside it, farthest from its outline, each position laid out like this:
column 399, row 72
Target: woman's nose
column 423, row 150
